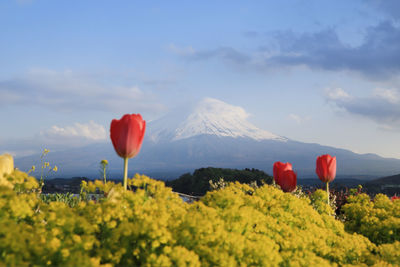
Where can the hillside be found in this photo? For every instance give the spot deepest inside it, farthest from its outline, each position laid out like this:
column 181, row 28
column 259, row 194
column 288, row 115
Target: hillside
column 389, row 185
column 198, row 182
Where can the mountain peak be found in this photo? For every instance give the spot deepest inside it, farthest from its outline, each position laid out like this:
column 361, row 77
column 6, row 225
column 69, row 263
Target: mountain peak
column 211, row 117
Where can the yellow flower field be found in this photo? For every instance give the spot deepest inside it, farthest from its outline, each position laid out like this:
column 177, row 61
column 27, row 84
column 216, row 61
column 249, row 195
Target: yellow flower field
column 151, row 226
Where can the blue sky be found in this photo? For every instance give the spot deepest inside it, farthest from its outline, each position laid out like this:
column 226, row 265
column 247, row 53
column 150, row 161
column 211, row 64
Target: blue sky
column 313, row 71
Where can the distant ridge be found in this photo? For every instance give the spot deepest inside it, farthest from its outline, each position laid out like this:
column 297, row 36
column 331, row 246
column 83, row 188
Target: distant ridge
column 389, row 185
column 212, row 134
column 393, row 179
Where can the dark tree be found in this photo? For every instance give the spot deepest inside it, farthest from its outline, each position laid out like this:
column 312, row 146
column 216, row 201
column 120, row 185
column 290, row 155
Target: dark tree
column 198, row 182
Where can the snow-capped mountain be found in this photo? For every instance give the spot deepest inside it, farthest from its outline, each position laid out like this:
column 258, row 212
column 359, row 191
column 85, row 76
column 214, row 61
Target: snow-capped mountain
column 211, row 133
column 210, row 117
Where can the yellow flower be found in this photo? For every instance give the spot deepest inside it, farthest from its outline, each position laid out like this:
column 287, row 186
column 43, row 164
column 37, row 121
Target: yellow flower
column 64, row 253
column 6, row 165
column 55, row 169
column 55, row 243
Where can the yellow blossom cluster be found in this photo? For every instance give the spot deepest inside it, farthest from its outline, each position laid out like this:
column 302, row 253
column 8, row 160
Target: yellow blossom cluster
column 379, row 220
column 149, row 225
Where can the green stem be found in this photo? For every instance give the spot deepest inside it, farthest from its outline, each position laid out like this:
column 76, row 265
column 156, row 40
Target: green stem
column 104, row 174
column 125, row 173
column 327, row 191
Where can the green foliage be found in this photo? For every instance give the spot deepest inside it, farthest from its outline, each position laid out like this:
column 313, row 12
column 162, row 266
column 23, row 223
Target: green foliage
column 198, row 183
column 239, row 225
column 379, row 220
column 67, row 198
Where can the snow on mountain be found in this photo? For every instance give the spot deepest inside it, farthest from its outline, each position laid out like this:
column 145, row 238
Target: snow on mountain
column 211, row 117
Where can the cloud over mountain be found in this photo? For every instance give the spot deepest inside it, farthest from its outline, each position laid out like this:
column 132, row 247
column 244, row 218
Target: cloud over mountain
column 209, row 116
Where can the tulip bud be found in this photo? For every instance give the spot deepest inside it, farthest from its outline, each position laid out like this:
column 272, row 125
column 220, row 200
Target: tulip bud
column 326, row 168
column 127, row 135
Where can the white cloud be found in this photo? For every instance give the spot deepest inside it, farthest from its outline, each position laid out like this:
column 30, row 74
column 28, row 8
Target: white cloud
column 70, row 91
column 391, row 95
column 56, row 138
column 336, row 94
column 382, row 106
column 295, row 117
column 298, row 119
column 386, row 127
column 182, row 51
column 19, row 153
column 90, row 131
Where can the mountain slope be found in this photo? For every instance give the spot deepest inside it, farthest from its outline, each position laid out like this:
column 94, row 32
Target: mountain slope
column 210, row 117
column 211, row 134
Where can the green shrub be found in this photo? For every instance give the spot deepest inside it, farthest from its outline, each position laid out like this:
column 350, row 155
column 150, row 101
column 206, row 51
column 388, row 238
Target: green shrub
column 67, row 198
column 202, row 179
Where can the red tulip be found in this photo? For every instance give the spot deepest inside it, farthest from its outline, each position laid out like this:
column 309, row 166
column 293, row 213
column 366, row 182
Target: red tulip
column 280, row 167
column 326, row 168
column 127, row 135
column 395, row 197
column 288, row 181
column 284, row 176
